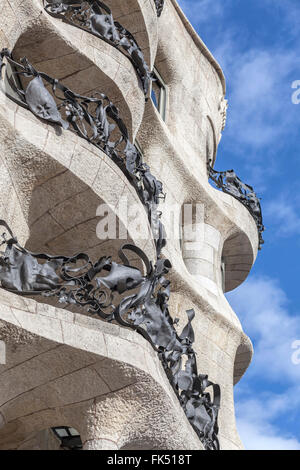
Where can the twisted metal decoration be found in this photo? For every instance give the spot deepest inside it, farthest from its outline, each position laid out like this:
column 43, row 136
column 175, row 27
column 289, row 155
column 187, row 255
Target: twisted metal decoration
column 95, row 17
column 78, row 281
column 231, row 184
column 134, row 299
column 95, row 119
column 159, row 6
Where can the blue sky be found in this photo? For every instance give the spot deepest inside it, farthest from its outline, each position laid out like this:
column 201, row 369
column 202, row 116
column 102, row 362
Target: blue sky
column 257, row 43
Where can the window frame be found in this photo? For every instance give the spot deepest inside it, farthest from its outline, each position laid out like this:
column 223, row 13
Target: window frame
column 163, row 95
column 70, row 441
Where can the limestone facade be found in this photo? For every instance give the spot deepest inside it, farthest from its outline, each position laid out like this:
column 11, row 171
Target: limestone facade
column 64, row 368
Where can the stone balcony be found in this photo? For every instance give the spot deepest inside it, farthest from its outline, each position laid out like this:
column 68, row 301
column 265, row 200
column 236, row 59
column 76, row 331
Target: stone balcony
column 56, row 181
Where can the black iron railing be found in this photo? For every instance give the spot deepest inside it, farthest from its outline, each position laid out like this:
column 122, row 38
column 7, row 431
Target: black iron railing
column 231, row 184
column 94, row 118
column 95, row 17
column 77, row 280
column 105, row 289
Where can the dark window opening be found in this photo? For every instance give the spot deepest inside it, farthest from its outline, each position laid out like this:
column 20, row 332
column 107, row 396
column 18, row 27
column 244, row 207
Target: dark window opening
column 69, row 437
column 159, row 94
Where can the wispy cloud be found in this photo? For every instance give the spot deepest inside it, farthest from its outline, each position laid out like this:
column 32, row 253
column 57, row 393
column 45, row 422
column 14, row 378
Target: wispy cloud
column 261, row 117
column 284, row 214
column 259, row 415
column 260, row 59
column 263, row 308
column 202, row 10
column 260, row 110
column 254, row 421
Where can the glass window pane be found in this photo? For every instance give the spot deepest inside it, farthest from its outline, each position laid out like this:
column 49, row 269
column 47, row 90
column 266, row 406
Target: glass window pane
column 61, row 432
column 155, row 95
column 73, row 432
column 158, row 94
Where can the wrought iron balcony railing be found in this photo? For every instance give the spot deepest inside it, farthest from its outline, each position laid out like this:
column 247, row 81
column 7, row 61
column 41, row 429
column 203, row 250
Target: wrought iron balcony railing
column 95, row 17
column 94, row 118
column 79, row 281
column 231, row 184
column 134, row 299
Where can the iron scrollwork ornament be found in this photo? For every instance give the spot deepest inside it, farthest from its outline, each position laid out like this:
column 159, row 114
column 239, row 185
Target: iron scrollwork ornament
column 134, row 299
column 105, row 288
column 94, row 118
column 95, row 17
column 159, row 6
column 231, row 184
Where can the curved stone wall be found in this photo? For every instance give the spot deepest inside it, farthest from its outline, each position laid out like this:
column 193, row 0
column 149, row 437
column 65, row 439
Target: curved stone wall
column 67, row 369
column 53, row 182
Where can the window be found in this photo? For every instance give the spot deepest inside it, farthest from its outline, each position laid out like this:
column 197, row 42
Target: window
column 159, row 94
column 223, row 272
column 69, row 437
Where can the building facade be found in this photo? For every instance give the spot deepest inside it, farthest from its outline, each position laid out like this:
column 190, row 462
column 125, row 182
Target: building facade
column 120, row 239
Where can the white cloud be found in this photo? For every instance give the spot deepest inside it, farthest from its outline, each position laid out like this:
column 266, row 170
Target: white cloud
column 262, row 436
column 284, row 214
column 199, row 11
column 261, row 120
column 260, row 110
column 262, row 306
column 255, row 417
